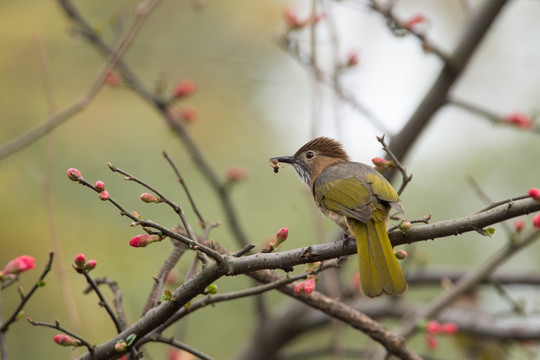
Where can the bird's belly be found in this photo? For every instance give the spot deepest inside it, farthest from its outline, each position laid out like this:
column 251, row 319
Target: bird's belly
column 337, row 218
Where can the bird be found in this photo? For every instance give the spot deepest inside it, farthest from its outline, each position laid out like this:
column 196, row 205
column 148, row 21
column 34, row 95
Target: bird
column 358, row 199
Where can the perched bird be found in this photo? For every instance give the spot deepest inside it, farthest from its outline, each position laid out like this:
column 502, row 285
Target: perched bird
column 358, row 199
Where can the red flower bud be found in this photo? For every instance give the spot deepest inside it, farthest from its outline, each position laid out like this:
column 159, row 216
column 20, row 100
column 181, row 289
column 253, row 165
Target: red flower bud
column 378, row 161
column 19, row 264
column 352, row 58
column 401, row 254
column 536, row 221
column 184, row 88
column 104, row 195
column 534, row 193
column 432, row 341
column 79, row 262
column 449, row 328
column 120, row 346
column 90, row 265
column 520, row 120
column 100, row 186
column 307, row 286
column 112, row 78
column 282, row 235
column 415, row 20
column 65, row 340
column 519, row 225
column 143, row 240
column 74, row 174
column 236, row 173
column 149, row 198
column 433, row 327
column 189, row 114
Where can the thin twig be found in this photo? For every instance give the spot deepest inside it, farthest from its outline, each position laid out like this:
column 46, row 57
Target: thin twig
column 117, row 292
column 180, row 345
column 180, row 179
column 406, row 178
column 25, row 298
column 102, row 301
column 57, row 326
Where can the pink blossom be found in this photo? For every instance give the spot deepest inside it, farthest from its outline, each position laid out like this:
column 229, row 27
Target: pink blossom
column 519, row 225
column 282, row 235
column 432, row 341
column 90, row 265
column 189, row 114
column 536, row 221
column 19, row 264
column 74, row 174
column 100, row 185
column 143, row 240
column 415, row 20
column 449, row 328
column 534, row 193
column 149, row 198
column 520, row 120
column 307, row 286
column 80, row 261
column 433, row 327
column 65, row 340
column 184, row 87
column 401, row 254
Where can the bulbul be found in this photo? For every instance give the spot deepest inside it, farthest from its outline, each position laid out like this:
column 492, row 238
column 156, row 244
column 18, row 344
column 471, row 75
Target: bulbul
column 358, row 199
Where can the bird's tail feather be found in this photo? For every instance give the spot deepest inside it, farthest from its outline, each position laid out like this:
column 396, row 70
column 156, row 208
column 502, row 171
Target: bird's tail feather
column 379, row 269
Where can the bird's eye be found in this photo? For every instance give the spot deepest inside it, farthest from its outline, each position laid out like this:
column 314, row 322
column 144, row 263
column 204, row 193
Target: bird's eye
column 310, row 155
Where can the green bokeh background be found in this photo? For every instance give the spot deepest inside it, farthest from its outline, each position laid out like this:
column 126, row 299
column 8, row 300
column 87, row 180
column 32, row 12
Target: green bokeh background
column 254, row 101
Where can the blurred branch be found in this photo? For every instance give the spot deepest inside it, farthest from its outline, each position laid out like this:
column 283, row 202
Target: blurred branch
column 102, row 302
column 87, row 32
column 117, row 292
column 437, row 96
column 179, row 345
column 57, row 119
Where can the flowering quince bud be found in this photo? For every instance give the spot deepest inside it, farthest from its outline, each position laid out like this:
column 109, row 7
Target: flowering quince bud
column 112, row 78
column 80, row 262
column 401, row 254
column 449, row 328
column 104, row 195
column 149, row 198
column 19, row 264
column 307, row 286
column 74, row 174
column 520, row 120
column 352, row 59
column 189, row 114
column 534, row 193
column 432, row 341
column 184, row 88
column 120, row 346
column 536, row 221
column 90, row 265
column 415, row 20
column 143, row 240
column 405, row 226
column 100, row 186
column 433, row 327
column 65, row 340
column 236, row 173
column 382, row 164
column 281, row 236
column 519, row 225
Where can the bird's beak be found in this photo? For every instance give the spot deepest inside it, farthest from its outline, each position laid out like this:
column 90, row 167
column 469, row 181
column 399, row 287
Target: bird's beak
column 283, row 159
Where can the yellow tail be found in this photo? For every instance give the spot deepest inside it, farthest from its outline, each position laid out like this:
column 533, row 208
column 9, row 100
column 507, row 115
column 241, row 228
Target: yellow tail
column 379, row 268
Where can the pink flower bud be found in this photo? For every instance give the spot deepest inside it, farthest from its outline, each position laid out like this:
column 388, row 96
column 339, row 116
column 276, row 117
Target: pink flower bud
column 189, row 114
column 378, row 161
column 149, row 198
column 120, row 346
column 184, row 88
column 292, row 21
column 79, row 262
column 520, row 120
column 536, row 221
column 307, row 286
column 519, row 225
column 352, row 58
column 143, row 240
column 90, row 265
column 282, row 235
column 19, row 264
column 236, row 173
column 112, row 78
column 405, row 226
column 74, row 174
column 414, row 20
column 432, row 341
column 65, row 340
column 534, row 193
column 100, row 186
column 449, row 328
column 401, row 254
column 104, row 195
column 433, row 327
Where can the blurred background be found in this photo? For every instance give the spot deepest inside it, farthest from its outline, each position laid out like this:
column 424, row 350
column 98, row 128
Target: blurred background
column 254, row 100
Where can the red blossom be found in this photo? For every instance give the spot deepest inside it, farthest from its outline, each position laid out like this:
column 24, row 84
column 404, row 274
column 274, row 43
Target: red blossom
column 100, row 186
column 519, row 119
column 307, row 286
column 184, row 87
column 189, row 114
column 74, row 174
column 65, row 340
column 433, row 327
column 90, row 265
column 519, row 225
column 536, row 221
column 19, row 264
column 80, row 261
column 534, row 193
column 143, row 240
column 449, row 328
column 431, row 341
column 104, row 195
column 401, row 254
